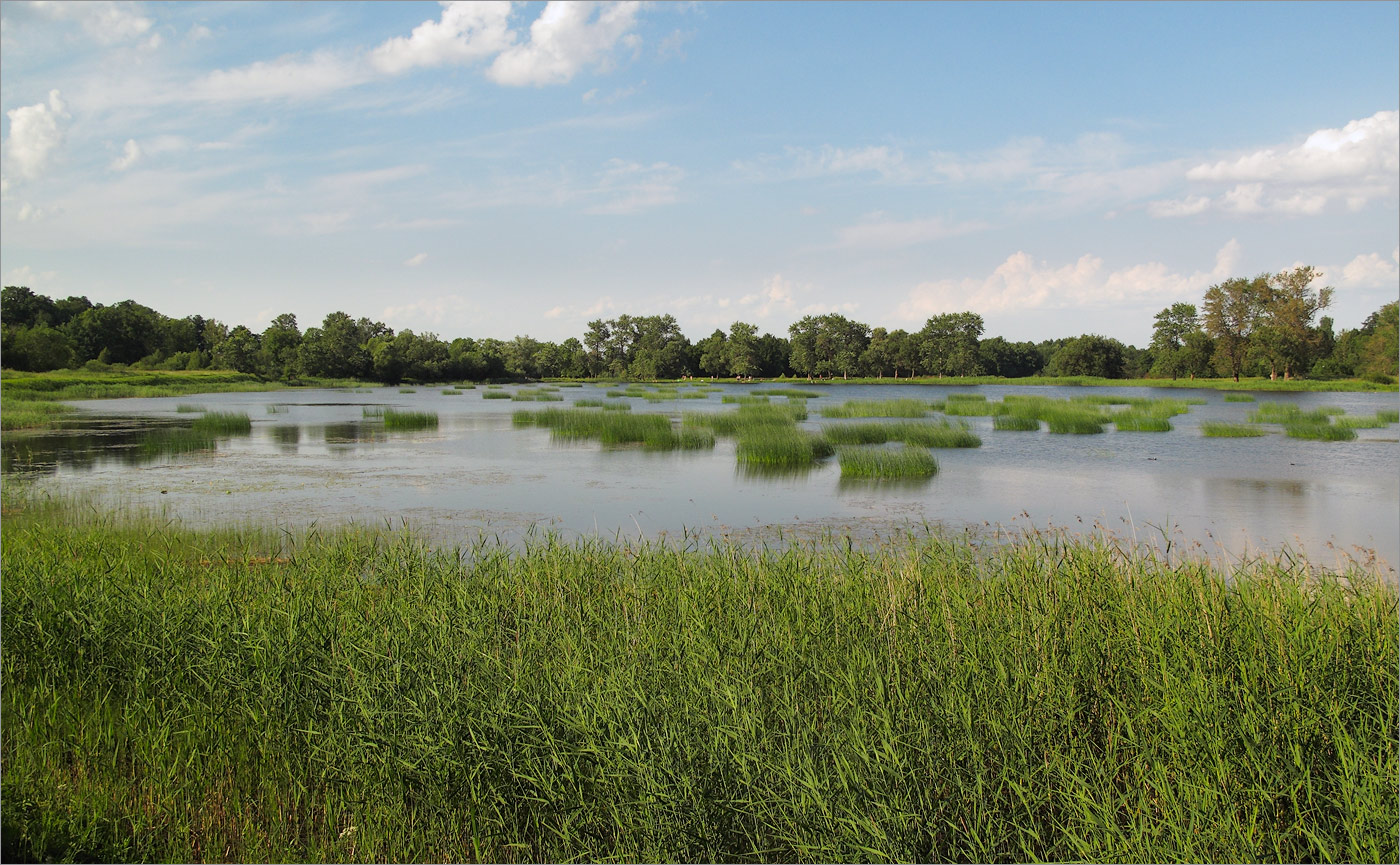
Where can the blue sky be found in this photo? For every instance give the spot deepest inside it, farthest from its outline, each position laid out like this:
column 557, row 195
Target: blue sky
column 500, row 169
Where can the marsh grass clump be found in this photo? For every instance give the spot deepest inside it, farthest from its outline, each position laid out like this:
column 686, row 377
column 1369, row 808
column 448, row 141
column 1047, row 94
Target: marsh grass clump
column 1133, row 422
column 408, row 390
column 1327, row 432
column 877, row 408
column 188, row 408
column 1069, row 420
column 274, row 408
column 409, row 420
column 1239, row 397
column 465, row 386
column 1005, row 422
column 372, row 411
column 790, row 392
column 743, row 399
column 879, row 463
column 1388, row 415
column 617, row 406
column 1286, row 413
column 451, row 391
column 1220, row 430
column 609, row 428
column 1374, row 421
column 588, row 402
column 937, row 435
column 1044, row 698
column 495, row 394
column 780, row 446
column 223, row 423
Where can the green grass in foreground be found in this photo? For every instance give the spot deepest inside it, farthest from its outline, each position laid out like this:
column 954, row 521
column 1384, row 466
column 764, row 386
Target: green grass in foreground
column 1217, row 429
column 250, row 695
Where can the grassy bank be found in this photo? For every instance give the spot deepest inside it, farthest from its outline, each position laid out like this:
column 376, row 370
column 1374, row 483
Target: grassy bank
column 348, row 696
column 32, row 400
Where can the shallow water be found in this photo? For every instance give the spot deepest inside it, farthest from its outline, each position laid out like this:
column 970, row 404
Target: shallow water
column 319, row 460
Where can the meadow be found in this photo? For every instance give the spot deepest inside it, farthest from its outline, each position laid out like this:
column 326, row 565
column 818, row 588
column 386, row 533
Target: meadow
column 256, row 694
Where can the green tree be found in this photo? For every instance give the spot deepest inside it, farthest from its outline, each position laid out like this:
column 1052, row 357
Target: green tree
column 827, row 345
column 1090, row 355
column 1230, row 315
column 742, row 346
column 949, row 344
column 713, row 358
column 239, row 351
column 1169, row 333
column 35, row 349
column 21, row 307
column 997, row 356
column 1285, row 337
column 126, row 331
column 281, row 342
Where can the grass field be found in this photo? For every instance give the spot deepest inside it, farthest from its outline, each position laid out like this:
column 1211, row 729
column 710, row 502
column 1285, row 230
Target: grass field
column 251, row 695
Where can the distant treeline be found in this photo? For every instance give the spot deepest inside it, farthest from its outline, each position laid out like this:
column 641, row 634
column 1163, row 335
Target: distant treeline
column 1265, row 326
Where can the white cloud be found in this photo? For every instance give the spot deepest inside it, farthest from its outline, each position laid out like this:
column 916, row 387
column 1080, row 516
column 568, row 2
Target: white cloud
column 416, row 260
column 35, row 134
column 629, row 187
column 467, row 31
column 1188, row 206
column 429, row 313
column 107, row 22
column 287, row 77
column 28, row 277
column 1371, row 271
column 1354, row 165
column 776, row 296
column 888, row 234
column 1021, row 283
column 130, row 154
column 31, row 214
column 604, row 304
column 566, row 37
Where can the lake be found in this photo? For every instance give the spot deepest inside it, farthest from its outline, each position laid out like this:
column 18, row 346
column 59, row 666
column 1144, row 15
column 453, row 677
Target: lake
column 312, row 457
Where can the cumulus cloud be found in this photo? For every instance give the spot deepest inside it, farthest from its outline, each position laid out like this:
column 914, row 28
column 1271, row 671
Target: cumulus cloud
column 1371, row 270
column 466, row 32
column 1023, row 283
column 107, row 22
column 130, row 154
column 891, row 234
column 416, row 260
column 630, row 187
column 432, row 312
column 775, row 296
column 565, row 38
column 35, row 134
column 1354, row 165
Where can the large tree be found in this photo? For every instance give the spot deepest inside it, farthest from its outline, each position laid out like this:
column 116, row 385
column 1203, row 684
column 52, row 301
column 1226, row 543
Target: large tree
column 827, row 345
column 1285, row 337
column 1169, row 333
column 1231, row 314
column 949, row 344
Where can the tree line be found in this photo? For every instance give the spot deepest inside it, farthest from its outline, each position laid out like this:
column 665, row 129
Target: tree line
column 1261, row 326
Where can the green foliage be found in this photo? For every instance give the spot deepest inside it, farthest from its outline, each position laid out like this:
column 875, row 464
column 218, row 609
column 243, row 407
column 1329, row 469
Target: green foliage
column 1217, row 429
column 1238, row 397
column 262, row 696
column 877, row 408
column 223, row 423
column 1316, row 431
column 409, row 420
column 885, row 464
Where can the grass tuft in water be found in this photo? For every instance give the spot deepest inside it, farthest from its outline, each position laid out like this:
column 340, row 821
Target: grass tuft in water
column 1220, row 430
column 274, row 408
column 1131, row 422
column 451, row 391
column 408, row 390
column 1006, row 422
column 780, row 446
column 494, row 394
column 881, row 463
column 877, row 408
column 223, row 423
column 1326, row 432
column 1239, row 397
column 188, row 408
column 409, row 420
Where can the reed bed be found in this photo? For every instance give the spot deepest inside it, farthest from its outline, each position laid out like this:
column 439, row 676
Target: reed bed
column 743, row 399
column 1011, row 422
column 222, row 423
column 1132, row 422
column 494, row 394
column 465, row 386
column 1374, row 421
column 652, row 431
column 1327, row 432
column 1218, row 429
column 1284, row 413
column 877, row 408
column 879, row 463
column 588, row 402
column 409, row 420
column 790, row 392
column 372, row 411
column 408, row 390
column 451, row 391
column 928, row 435
column 780, row 446
column 609, row 405
column 1239, row 397
column 188, row 408
column 1388, row 415
column 275, row 408
column 1071, row 421
column 247, row 695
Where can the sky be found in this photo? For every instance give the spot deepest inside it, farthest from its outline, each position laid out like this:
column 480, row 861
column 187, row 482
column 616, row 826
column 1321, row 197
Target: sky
column 503, row 169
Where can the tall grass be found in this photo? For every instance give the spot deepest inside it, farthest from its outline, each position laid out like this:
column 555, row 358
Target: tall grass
column 262, row 696
column 1132, row 422
column 877, row 408
column 1239, row 397
column 790, row 392
column 652, row 431
column 1217, row 429
column 885, row 464
column 780, row 446
column 928, row 435
column 223, row 423
column 1015, row 422
column 188, row 408
column 495, row 394
column 409, row 420
column 1315, row 431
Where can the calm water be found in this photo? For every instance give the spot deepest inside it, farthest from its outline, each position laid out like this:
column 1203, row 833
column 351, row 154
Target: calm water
column 318, row 460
